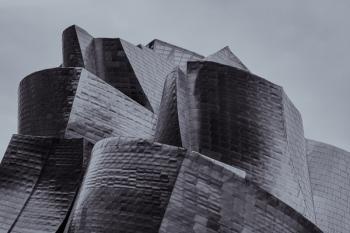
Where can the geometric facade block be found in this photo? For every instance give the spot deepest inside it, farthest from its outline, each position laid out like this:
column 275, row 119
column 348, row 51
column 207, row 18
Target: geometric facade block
column 39, row 180
column 212, row 197
column 243, row 120
column 73, row 103
column 127, row 186
column 329, row 168
column 135, row 71
column 100, row 111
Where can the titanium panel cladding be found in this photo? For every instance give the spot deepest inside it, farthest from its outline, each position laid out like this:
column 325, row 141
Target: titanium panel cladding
column 45, row 100
column 329, row 169
column 239, row 118
column 127, row 187
column 40, row 177
column 210, row 196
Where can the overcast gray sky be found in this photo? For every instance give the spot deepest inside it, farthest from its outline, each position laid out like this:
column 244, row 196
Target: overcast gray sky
column 302, row 45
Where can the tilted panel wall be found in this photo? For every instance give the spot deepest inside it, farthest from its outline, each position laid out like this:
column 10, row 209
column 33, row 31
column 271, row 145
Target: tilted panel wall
column 71, row 50
column 238, row 118
column 103, row 57
column 211, row 197
column 226, row 57
column 127, row 187
column 55, row 190
column 329, row 169
column 115, row 69
column 177, row 55
column 100, row 111
column 168, row 130
column 44, row 101
column 78, row 49
column 296, row 152
column 20, row 169
column 151, row 71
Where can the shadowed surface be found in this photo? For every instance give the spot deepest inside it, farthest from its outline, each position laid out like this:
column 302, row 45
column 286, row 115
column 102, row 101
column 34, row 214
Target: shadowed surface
column 45, row 100
column 127, row 187
column 39, row 181
column 210, row 197
column 246, row 121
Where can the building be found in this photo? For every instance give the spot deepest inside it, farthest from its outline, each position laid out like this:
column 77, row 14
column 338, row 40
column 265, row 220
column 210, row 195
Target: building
column 158, row 138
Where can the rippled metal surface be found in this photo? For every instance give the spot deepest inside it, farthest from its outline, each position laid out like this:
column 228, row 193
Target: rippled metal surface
column 127, row 186
column 40, row 177
column 208, row 197
column 45, row 100
column 246, row 121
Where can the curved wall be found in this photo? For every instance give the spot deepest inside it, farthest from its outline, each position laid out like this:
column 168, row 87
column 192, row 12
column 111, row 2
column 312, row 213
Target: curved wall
column 243, row 120
column 40, row 177
column 209, row 196
column 329, row 169
column 45, row 100
column 127, row 187
column 78, row 49
column 20, row 169
column 168, row 130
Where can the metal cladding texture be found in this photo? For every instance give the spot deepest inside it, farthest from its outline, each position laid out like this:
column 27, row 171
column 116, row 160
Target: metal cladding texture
column 243, row 120
column 329, row 169
column 45, row 100
column 127, row 187
column 100, row 111
column 168, row 130
column 212, row 197
column 100, row 143
column 39, row 179
column 78, row 48
column 226, row 57
column 174, row 54
column 151, row 71
column 138, row 72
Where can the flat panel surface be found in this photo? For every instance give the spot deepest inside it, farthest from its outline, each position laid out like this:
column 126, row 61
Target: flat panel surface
column 100, row 111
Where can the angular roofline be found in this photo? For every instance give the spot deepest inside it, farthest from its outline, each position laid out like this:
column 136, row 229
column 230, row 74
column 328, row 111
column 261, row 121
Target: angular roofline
column 178, row 47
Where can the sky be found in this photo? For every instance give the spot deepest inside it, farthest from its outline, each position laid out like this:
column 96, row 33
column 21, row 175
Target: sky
column 302, row 45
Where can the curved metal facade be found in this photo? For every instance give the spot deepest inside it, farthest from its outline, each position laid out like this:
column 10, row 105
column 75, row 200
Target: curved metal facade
column 45, row 100
column 243, row 120
column 329, row 169
column 127, row 186
column 40, row 177
column 111, row 122
column 168, row 130
column 211, row 197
